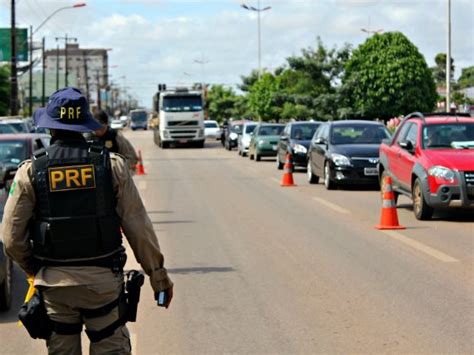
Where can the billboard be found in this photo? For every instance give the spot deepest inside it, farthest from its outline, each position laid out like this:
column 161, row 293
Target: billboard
column 21, row 44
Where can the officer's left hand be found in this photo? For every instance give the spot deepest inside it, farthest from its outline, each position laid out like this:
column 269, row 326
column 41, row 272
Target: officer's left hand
column 168, row 295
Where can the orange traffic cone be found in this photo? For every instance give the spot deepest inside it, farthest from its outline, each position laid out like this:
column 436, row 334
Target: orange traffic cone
column 389, row 217
column 287, row 179
column 139, row 168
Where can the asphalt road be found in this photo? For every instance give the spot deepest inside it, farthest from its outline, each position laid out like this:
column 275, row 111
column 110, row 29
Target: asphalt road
column 263, row 269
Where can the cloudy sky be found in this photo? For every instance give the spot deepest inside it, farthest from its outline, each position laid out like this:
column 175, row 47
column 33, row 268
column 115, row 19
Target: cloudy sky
column 155, row 41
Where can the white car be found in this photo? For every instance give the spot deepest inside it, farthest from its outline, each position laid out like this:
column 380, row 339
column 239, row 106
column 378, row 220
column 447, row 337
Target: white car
column 117, row 123
column 212, row 130
column 244, row 139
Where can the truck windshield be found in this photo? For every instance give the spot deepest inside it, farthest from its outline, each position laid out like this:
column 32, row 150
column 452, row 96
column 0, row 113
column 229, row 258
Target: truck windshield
column 182, row 103
column 138, row 116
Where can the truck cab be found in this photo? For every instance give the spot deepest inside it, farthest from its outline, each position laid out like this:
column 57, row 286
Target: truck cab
column 181, row 117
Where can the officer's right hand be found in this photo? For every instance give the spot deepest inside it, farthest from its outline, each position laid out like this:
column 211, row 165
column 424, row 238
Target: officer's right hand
column 168, row 295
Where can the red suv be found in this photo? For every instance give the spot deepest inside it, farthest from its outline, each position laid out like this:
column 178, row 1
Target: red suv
column 431, row 159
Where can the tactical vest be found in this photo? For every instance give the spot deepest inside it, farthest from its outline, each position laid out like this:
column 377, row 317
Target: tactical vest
column 75, row 217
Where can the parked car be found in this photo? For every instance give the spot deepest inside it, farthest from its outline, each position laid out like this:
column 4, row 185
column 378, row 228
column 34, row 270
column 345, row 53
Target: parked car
column 21, row 125
column 6, row 265
column 431, row 160
column 234, row 129
column 14, row 148
column 264, row 141
column 345, row 152
column 295, row 139
column 212, row 130
column 243, row 141
column 118, row 123
column 6, row 128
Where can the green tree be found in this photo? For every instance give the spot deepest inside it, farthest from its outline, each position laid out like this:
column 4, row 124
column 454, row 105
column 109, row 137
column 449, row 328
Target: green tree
column 220, row 102
column 4, row 90
column 439, row 70
column 311, row 83
column 261, row 97
column 386, row 77
column 466, row 79
column 248, row 81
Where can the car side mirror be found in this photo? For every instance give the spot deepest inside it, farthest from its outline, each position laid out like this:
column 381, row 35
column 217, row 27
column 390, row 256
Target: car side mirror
column 407, row 145
column 320, row 140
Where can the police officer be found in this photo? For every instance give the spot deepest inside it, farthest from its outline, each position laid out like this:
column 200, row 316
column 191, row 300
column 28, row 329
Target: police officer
column 62, row 224
column 114, row 140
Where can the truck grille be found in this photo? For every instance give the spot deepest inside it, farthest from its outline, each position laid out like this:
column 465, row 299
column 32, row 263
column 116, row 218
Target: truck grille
column 182, row 123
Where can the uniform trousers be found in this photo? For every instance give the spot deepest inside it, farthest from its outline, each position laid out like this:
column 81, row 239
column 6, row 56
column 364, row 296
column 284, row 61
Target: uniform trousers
column 63, row 305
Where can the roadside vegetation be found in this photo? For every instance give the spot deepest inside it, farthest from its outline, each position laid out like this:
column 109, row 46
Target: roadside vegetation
column 384, row 77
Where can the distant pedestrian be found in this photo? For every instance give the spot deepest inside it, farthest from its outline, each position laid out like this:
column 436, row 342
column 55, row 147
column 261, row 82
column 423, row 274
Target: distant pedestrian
column 114, row 140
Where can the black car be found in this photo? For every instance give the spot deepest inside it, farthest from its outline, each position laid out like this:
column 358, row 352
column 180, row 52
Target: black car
column 234, row 129
column 295, row 139
column 7, row 173
column 14, row 148
column 345, row 152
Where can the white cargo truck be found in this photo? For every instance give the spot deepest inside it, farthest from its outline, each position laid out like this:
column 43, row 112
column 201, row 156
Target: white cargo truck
column 181, row 117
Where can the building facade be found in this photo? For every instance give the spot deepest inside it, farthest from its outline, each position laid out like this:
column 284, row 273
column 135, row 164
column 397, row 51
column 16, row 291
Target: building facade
column 87, row 69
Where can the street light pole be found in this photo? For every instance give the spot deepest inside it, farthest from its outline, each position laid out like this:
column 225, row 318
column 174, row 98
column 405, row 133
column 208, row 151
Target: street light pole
column 13, row 75
column 31, row 51
column 30, row 107
column 258, row 10
column 448, row 62
column 202, row 61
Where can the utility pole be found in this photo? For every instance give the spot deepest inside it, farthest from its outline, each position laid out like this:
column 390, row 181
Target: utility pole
column 43, row 81
column 57, row 67
column 66, row 41
column 30, row 106
column 98, row 89
column 448, row 62
column 13, row 75
column 84, row 57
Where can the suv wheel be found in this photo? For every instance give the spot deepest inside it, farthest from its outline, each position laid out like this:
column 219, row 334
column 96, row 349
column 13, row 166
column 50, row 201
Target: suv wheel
column 312, row 179
column 328, row 183
column 420, row 207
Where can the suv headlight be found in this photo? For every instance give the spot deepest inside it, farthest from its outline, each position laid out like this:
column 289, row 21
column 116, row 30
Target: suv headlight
column 261, row 142
column 441, row 172
column 200, row 132
column 298, row 148
column 340, row 159
column 166, row 134
column 233, row 136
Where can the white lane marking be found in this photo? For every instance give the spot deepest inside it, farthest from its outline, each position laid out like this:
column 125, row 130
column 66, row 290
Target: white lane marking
column 421, row 247
column 141, row 184
column 133, row 343
column 332, row 205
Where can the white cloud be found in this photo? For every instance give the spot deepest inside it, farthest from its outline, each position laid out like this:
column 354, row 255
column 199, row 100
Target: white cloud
column 154, row 44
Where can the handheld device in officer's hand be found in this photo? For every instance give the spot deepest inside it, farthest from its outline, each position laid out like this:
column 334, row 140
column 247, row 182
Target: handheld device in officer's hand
column 162, row 299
